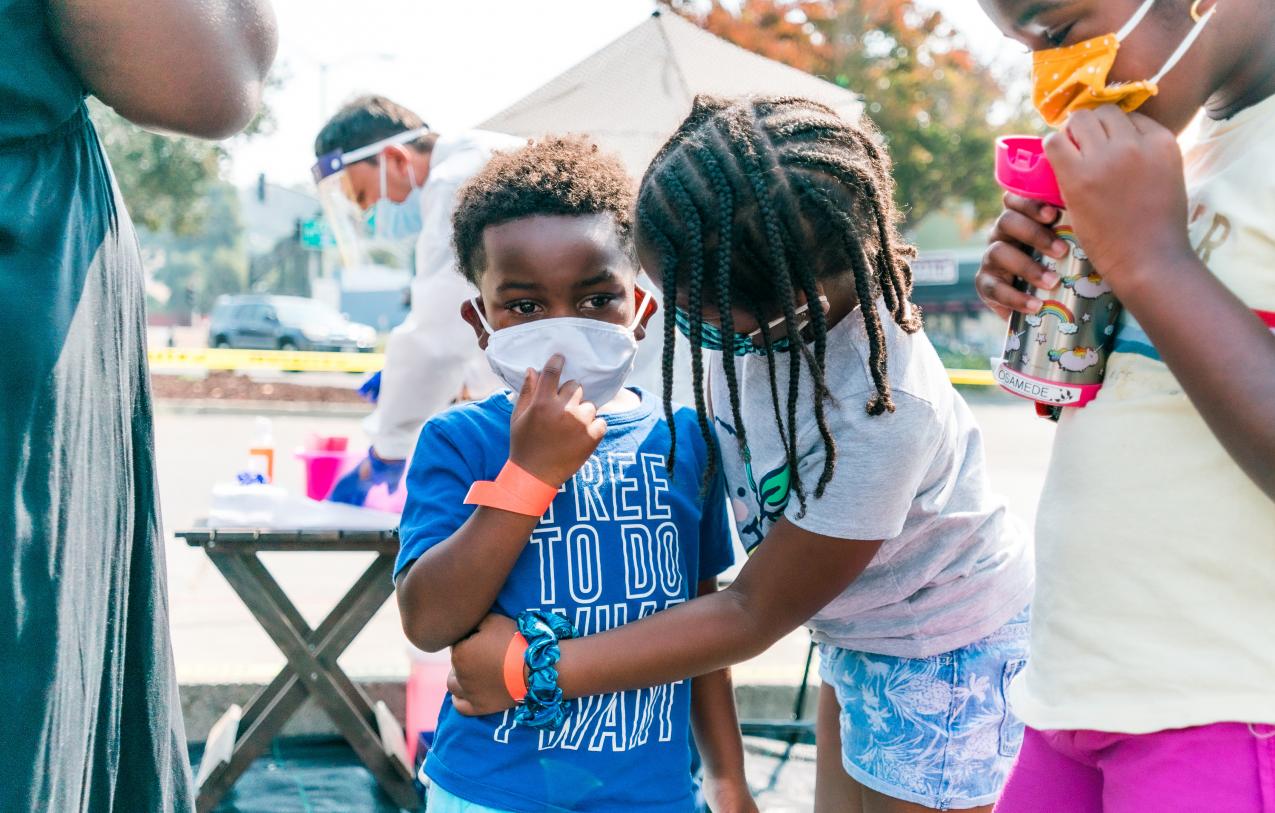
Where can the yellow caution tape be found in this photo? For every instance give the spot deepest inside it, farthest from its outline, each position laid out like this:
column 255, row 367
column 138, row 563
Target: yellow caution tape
column 972, row 378
column 202, row 358
column 206, row 358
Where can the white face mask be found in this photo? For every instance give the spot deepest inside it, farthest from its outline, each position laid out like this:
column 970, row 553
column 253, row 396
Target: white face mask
column 599, row 355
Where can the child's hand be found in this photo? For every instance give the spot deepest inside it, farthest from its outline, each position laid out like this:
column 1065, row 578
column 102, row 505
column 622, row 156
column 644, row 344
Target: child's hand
column 477, row 683
column 729, row 796
column 553, row 430
column 1022, row 228
column 1121, row 175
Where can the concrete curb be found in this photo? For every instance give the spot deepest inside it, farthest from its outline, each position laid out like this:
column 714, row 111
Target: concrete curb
column 203, row 703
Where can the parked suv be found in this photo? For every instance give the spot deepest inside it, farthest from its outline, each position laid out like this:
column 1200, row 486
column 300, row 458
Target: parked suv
column 285, row 323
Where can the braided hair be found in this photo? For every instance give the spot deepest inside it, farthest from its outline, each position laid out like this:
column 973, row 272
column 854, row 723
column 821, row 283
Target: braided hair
column 753, row 202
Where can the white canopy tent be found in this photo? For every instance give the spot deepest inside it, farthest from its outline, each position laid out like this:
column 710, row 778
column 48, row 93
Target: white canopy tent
column 632, row 94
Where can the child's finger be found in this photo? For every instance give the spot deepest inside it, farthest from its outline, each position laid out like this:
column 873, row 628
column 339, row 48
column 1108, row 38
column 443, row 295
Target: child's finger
column 527, row 391
column 1145, row 125
column 1019, row 228
column 1002, row 297
column 1061, row 150
column 598, row 429
column 586, row 411
column 1037, row 210
column 1085, row 130
column 1014, row 262
column 572, row 392
column 548, row 384
column 463, row 707
column 1114, row 121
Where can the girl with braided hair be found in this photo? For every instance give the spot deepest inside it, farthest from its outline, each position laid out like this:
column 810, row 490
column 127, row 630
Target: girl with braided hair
column 855, row 471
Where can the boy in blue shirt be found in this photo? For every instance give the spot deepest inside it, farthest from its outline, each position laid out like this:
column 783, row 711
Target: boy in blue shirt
column 544, row 232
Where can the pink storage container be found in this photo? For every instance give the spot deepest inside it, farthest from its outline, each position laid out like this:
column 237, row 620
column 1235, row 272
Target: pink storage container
column 322, row 469
column 426, row 688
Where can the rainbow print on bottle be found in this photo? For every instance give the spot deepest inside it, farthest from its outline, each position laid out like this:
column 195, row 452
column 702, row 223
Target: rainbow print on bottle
column 1058, row 355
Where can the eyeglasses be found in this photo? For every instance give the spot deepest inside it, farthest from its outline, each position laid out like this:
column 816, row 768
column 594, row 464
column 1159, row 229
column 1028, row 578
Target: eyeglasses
column 743, row 344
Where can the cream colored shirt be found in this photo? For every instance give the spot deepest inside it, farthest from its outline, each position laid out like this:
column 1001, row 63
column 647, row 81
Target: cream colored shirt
column 1155, row 598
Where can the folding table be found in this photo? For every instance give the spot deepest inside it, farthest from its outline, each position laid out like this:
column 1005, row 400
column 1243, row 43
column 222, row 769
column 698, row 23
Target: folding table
column 312, row 669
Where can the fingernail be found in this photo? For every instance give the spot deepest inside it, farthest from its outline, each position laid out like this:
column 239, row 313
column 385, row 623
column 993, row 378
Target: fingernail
column 1049, row 213
column 1058, row 248
column 1034, row 304
column 1050, row 279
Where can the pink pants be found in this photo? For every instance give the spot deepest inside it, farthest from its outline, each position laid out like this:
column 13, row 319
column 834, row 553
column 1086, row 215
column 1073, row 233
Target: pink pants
column 1221, row 767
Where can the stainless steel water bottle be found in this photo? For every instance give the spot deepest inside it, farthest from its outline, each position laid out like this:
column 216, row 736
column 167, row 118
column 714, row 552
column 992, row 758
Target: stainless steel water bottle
column 1058, row 355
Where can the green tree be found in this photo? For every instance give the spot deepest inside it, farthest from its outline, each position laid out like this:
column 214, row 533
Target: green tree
column 938, row 108
column 165, row 179
column 186, row 213
column 209, row 262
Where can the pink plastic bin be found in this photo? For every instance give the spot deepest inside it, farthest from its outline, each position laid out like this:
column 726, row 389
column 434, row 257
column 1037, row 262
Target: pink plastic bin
column 426, row 688
column 322, row 470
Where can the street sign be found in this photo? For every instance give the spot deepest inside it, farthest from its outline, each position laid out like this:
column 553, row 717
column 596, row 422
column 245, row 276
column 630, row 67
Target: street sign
column 935, row 269
column 315, row 234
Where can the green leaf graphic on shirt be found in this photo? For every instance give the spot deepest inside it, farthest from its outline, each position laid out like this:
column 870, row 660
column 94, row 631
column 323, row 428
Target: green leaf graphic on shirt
column 772, row 498
column 773, row 494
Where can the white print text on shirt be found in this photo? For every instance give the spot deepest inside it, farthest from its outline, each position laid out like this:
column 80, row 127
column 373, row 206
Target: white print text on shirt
column 653, row 575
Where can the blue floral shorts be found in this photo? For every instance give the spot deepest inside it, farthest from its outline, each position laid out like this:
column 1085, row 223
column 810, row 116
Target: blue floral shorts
column 934, row 731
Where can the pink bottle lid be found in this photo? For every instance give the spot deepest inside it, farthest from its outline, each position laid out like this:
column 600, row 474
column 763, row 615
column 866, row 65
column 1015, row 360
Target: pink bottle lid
column 1022, row 168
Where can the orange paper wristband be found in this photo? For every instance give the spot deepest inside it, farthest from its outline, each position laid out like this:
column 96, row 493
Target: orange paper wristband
column 515, row 679
column 514, row 489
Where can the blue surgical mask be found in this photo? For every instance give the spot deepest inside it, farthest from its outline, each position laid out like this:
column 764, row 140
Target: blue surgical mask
column 397, row 221
column 741, row 344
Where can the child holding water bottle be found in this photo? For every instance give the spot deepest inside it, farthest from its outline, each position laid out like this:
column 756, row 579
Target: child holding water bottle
column 1152, row 680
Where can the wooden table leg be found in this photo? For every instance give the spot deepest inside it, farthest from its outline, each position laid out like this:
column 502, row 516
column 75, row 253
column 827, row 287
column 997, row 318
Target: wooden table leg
column 312, row 670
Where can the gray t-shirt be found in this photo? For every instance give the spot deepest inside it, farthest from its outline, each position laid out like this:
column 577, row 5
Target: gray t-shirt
column 954, row 567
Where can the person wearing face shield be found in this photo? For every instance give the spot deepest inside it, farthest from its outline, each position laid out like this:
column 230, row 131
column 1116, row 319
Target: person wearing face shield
column 385, row 179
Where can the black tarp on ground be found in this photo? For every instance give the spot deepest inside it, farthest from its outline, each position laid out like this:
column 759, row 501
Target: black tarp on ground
column 304, row 776
column 91, row 720
column 324, row 776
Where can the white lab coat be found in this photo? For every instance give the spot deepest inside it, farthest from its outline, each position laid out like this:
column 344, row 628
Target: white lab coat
column 432, row 357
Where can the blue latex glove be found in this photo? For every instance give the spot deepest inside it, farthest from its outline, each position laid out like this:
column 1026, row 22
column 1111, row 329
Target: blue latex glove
column 371, row 389
column 353, row 487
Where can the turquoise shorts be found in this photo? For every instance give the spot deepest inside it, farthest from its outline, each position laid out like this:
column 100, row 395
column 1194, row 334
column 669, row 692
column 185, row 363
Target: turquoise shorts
column 933, row 731
column 438, row 800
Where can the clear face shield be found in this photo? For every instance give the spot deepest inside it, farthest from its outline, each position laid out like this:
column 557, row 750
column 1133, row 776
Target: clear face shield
column 380, row 234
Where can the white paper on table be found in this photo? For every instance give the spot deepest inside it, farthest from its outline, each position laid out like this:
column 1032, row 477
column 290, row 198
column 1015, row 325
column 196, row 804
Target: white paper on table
column 266, row 506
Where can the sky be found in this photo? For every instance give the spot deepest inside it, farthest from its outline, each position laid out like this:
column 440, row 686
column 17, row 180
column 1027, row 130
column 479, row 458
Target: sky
column 454, row 63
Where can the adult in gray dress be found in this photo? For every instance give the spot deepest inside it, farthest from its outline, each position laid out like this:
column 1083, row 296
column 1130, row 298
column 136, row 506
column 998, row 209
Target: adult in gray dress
column 89, row 716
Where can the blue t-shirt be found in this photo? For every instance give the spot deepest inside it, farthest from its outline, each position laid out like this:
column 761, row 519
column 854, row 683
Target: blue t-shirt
column 623, row 539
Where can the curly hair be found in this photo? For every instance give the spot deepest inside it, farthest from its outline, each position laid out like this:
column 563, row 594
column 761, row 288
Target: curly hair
column 555, row 175
column 752, row 203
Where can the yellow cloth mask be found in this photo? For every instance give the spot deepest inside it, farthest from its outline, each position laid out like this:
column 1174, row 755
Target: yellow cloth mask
column 1074, row 77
